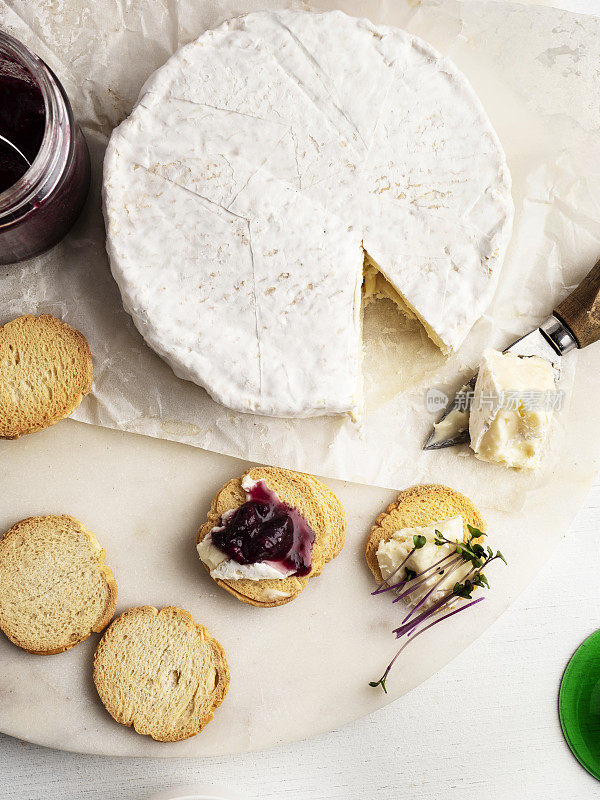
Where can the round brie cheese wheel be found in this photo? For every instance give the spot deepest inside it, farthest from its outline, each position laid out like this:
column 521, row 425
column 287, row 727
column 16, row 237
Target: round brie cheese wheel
column 263, row 166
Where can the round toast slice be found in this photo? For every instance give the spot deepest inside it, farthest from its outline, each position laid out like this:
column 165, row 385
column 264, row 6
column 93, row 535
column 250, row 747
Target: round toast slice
column 420, row 506
column 160, row 672
column 313, row 499
column 55, row 588
column 45, row 371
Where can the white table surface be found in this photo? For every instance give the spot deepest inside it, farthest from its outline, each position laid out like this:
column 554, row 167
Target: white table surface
column 497, row 700
column 486, row 725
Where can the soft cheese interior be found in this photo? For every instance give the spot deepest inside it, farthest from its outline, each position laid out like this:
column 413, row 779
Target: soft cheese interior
column 512, row 409
column 260, row 164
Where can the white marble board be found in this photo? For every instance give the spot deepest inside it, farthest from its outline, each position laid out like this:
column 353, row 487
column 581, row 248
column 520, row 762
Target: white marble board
column 296, row 670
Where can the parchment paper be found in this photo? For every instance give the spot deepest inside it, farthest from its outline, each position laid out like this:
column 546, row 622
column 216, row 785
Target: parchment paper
column 536, row 71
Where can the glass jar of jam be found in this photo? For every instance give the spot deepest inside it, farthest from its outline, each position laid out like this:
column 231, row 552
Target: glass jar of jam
column 44, row 160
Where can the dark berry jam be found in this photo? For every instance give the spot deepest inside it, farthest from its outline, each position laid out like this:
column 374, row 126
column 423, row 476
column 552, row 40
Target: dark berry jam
column 44, row 160
column 12, row 166
column 22, row 124
column 264, row 529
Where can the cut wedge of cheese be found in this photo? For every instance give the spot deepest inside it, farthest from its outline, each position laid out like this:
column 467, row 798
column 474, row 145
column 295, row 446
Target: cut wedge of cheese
column 260, row 168
column 512, row 409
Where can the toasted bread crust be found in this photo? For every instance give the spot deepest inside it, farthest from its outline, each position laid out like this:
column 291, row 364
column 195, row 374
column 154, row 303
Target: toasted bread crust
column 11, row 624
column 419, row 506
column 229, row 587
column 315, row 501
column 132, row 706
column 45, row 371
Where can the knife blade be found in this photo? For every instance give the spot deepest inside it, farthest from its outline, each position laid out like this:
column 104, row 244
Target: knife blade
column 575, row 322
column 550, row 341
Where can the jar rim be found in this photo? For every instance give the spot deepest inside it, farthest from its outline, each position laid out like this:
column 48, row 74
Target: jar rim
column 17, row 197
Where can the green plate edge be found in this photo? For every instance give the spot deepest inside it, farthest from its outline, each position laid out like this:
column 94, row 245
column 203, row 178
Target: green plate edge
column 561, row 703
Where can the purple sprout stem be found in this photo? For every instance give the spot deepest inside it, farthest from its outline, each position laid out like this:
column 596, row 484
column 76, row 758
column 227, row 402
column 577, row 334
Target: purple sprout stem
column 402, row 629
column 440, row 619
column 413, row 627
column 436, row 565
column 418, row 633
column 425, row 579
column 388, row 588
column 429, row 593
column 385, row 586
column 410, row 626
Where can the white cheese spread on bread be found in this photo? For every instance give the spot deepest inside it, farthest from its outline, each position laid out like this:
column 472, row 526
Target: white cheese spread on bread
column 392, row 552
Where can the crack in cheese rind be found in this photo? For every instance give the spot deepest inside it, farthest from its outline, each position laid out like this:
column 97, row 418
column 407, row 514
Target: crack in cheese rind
column 301, row 135
column 343, row 69
column 256, row 274
column 189, row 144
column 259, row 88
column 295, row 59
column 174, row 299
column 297, row 238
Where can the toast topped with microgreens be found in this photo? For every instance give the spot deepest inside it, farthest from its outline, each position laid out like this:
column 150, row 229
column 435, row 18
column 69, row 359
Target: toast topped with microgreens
column 428, row 550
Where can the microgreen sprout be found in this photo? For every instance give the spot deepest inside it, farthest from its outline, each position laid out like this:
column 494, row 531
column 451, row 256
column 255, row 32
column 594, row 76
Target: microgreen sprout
column 471, row 552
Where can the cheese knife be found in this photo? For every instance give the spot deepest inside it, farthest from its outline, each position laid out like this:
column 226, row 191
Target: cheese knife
column 574, row 323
